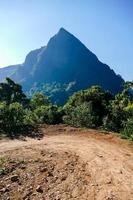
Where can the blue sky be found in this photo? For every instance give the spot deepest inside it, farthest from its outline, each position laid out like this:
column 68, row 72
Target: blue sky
column 104, row 26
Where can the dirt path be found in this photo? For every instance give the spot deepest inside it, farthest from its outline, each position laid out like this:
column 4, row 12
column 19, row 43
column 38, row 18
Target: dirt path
column 107, row 159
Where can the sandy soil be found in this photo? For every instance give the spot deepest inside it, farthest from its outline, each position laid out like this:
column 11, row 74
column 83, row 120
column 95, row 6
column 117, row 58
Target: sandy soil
column 68, row 163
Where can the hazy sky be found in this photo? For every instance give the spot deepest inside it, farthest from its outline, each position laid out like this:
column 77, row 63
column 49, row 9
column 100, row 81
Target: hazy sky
column 104, row 26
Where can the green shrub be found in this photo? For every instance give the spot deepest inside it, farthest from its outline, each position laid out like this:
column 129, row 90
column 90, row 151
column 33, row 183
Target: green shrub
column 3, row 115
column 129, row 110
column 15, row 117
column 30, row 119
column 11, row 92
column 11, row 117
column 81, row 116
column 48, row 114
column 39, row 99
column 128, row 129
column 113, row 121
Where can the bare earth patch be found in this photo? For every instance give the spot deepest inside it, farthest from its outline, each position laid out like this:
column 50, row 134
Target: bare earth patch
column 68, row 163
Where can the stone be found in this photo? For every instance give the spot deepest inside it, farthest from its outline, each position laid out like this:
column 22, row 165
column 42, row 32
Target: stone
column 39, row 189
column 4, row 190
column 14, row 178
column 43, row 169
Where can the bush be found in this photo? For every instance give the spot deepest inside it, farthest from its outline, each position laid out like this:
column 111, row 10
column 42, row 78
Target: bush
column 129, row 110
column 11, row 117
column 48, row 114
column 10, row 92
column 87, row 107
column 16, row 114
column 30, row 119
column 3, row 115
column 113, row 121
column 81, row 116
column 38, row 99
column 128, row 129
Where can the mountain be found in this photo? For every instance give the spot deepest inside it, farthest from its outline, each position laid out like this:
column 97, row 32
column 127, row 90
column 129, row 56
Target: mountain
column 66, row 60
column 7, row 71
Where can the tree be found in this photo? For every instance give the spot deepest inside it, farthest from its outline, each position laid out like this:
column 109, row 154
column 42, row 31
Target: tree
column 16, row 116
column 39, row 99
column 82, row 116
column 94, row 96
column 117, row 114
column 127, row 131
column 128, row 85
column 11, row 117
column 128, row 90
column 129, row 110
column 3, row 115
column 50, row 114
column 11, row 92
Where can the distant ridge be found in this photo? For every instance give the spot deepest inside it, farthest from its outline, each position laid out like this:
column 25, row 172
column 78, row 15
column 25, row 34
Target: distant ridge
column 7, row 71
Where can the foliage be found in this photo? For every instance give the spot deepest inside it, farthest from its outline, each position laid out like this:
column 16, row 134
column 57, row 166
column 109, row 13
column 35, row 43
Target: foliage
column 91, row 108
column 129, row 110
column 114, row 120
column 38, row 99
column 30, row 119
column 117, row 113
column 3, row 115
column 94, row 100
column 82, row 116
column 11, row 117
column 11, row 92
column 48, row 114
column 127, row 132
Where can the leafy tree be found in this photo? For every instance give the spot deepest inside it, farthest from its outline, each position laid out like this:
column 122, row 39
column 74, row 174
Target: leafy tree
column 11, row 117
column 11, row 92
column 129, row 110
column 3, row 115
column 117, row 113
column 94, row 96
column 128, row 85
column 39, row 99
column 48, row 114
column 127, row 131
column 16, row 116
column 55, row 114
column 30, row 119
column 82, row 116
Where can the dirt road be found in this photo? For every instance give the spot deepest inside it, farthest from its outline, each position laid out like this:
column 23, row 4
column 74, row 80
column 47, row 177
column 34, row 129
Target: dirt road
column 86, row 164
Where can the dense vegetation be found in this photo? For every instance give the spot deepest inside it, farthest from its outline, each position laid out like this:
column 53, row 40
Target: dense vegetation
column 91, row 108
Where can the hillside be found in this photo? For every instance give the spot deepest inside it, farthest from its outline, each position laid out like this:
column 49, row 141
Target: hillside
column 65, row 60
column 68, row 163
column 7, row 71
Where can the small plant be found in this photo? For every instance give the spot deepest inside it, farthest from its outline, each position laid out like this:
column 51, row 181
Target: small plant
column 2, row 171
